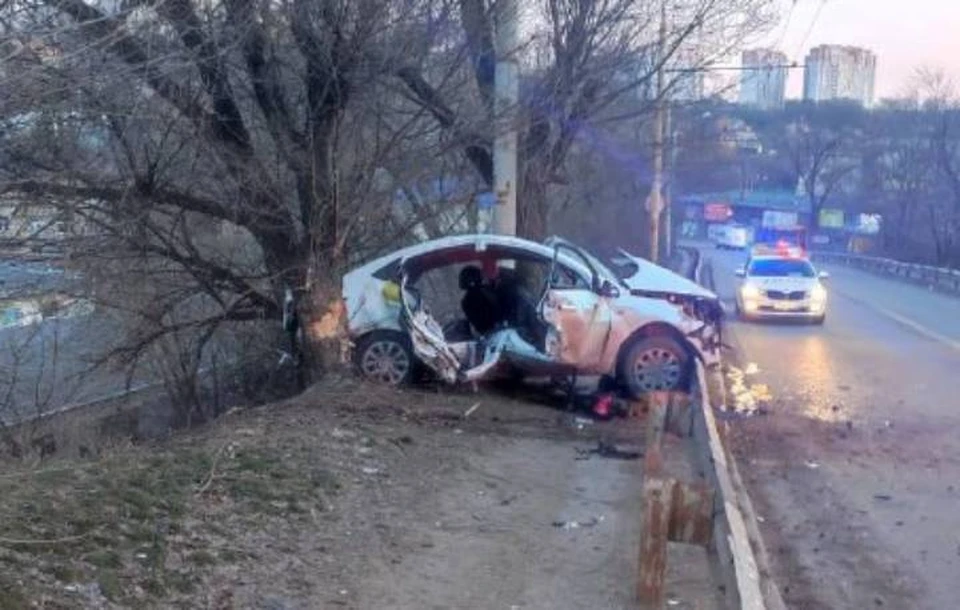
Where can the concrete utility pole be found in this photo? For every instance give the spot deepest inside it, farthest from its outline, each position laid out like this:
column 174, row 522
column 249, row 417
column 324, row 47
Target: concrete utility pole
column 507, row 96
column 655, row 199
column 671, row 141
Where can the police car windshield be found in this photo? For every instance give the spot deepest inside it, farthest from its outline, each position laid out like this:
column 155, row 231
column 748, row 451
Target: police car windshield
column 780, row 267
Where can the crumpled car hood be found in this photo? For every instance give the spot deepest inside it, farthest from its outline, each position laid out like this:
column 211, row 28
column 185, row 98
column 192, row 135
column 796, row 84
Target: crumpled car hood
column 653, row 279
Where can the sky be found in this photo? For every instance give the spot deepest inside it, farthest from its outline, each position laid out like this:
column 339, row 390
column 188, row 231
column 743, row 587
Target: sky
column 904, row 34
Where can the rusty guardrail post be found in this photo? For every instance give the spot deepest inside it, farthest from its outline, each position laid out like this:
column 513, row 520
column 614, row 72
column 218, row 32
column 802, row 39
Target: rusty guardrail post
column 673, row 511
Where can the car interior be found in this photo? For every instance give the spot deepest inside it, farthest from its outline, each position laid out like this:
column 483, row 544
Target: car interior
column 496, row 304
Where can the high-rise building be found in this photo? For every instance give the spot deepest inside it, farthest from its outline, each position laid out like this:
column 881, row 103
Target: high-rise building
column 683, row 78
column 836, row 72
column 763, row 80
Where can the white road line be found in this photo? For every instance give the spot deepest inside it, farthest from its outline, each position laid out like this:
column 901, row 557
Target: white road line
column 904, row 321
column 916, row 326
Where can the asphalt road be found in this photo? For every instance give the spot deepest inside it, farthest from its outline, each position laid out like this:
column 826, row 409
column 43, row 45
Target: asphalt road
column 856, row 467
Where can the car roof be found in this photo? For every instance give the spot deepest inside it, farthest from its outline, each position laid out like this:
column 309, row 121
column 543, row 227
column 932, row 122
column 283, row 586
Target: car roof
column 480, row 240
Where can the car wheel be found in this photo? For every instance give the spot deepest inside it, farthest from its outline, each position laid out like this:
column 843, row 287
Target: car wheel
column 820, row 320
column 385, row 356
column 654, row 364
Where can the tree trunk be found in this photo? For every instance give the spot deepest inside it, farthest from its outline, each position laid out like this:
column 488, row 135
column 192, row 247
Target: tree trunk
column 322, row 331
column 533, row 209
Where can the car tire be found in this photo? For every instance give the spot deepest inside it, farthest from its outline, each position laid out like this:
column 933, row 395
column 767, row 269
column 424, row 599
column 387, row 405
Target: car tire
column 386, row 357
column 651, row 364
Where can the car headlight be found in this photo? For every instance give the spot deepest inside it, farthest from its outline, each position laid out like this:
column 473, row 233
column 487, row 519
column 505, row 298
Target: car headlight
column 749, row 291
column 818, row 294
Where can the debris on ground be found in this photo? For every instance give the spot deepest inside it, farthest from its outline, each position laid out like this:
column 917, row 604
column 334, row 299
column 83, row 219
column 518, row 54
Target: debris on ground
column 581, row 422
column 882, row 497
column 572, row 525
column 603, row 406
column 812, row 465
column 748, row 399
column 608, row 450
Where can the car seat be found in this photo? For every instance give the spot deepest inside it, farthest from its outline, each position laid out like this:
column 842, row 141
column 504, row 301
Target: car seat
column 519, row 310
column 479, row 304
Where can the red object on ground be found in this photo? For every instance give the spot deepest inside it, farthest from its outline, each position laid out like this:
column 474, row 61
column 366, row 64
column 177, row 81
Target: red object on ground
column 601, row 408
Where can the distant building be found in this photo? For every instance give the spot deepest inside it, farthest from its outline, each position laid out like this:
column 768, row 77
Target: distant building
column 763, row 81
column 684, row 76
column 735, row 136
column 835, row 72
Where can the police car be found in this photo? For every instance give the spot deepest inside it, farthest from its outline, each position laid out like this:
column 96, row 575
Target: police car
column 780, row 282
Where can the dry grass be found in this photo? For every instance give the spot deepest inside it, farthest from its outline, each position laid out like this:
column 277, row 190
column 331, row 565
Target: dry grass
column 273, row 501
column 173, row 524
column 141, row 525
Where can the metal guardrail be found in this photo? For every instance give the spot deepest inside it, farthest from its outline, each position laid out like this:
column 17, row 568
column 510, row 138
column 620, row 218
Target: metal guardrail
column 937, row 278
column 712, row 509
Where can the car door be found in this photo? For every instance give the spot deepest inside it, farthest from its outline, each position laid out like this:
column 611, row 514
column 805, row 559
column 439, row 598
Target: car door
column 426, row 335
column 578, row 313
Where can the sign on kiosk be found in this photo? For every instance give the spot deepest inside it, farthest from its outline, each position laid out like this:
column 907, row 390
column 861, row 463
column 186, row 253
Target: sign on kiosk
column 779, row 220
column 831, row 219
column 717, row 212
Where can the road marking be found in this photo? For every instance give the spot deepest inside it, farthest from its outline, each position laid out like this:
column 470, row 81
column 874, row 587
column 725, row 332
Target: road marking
column 916, row 326
column 905, row 321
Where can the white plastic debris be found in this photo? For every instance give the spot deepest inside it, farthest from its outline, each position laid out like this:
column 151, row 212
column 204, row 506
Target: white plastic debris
column 572, row 525
column 748, row 399
column 581, row 422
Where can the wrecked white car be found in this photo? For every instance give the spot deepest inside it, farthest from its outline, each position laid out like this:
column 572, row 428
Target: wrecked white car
column 630, row 321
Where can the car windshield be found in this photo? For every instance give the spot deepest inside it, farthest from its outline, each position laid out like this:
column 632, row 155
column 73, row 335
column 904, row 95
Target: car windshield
column 603, row 271
column 780, row 267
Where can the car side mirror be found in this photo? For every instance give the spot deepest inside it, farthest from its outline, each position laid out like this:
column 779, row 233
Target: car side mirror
column 824, row 275
column 741, row 272
column 608, row 290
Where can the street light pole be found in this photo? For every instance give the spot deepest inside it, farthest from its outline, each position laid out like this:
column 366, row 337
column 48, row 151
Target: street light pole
column 507, row 96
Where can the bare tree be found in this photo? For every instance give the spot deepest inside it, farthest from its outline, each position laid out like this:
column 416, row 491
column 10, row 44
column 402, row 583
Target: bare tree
column 819, row 143
column 917, row 145
column 942, row 103
column 582, row 58
column 217, row 154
